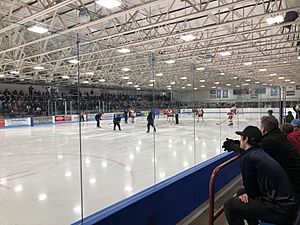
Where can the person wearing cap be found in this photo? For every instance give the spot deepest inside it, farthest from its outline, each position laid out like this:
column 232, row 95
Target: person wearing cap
column 268, row 193
column 276, row 144
column 289, row 117
column 294, row 136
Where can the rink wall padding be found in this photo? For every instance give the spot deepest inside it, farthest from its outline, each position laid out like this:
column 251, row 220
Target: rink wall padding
column 170, row 201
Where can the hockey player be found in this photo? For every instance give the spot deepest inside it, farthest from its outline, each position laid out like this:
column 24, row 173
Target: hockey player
column 98, row 118
column 132, row 114
column 117, row 120
column 150, row 119
column 199, row 114
column 170, row 115
column 231, row 114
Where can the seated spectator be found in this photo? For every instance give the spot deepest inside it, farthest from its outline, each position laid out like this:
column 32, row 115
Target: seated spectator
column 289, row 117
column 268, row 194
column 286, row 128
column 294, row 136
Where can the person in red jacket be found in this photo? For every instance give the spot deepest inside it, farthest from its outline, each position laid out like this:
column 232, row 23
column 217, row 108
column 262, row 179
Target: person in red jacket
column 294, row 136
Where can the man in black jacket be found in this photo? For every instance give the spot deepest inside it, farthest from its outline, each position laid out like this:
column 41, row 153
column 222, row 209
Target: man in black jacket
column 269, row 195
column 150, row 119
column 276, row 144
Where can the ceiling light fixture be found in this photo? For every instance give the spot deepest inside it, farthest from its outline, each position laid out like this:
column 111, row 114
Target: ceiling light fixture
column 262, row 70
column 292, row 82
column 15, row 72
column 248, row 80
column 183, row 78
column 138, row 89
column 2, row 75
column 85, row 82
column 90, row 73
column 159, row 74
column 102, row 80
column 202, row 81
column 225, row 53
column 182, row 87
column 136, row 86
column 74, row 61
column 124, row 50
column 273, row 74
column 247, row 63
column 152, row 81
column 65, row 77
column 151, row 85
column 125, row 78
column 189, row 85
column 202, row 86
column 280, row 78
column 38, row 68
column 129, row 82
column 170, row 61
column 195, row 88
column 200, row 68
column 108, row 4
column 256, row 82
column 287, row 80
column 228, row 84
column 173, row 82
column 125, row 69
column 37, row 29
column 188, row 37
column 275, row 19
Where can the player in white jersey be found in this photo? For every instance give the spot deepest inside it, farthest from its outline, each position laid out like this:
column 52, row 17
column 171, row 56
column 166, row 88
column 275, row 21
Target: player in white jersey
column 132, row 114
column 231, row 114
column 170, row 115
column 199, row 114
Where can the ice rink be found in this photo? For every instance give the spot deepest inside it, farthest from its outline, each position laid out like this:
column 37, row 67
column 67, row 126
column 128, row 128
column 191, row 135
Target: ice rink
column 39, row 169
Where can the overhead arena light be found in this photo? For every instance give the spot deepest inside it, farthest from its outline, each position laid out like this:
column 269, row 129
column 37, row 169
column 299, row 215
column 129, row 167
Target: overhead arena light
column 228, row 85
column 222, row 73
column 202, row 86
column 299, row 57
column 151, row 81
column 225, row 53
column 248, row 80
column 213, row 87
column 123, row 50
column 37, row 29
column 90, row 73
column 168, row 86
column 74, row 61
column 256, row 82
column 237, row 86
column 195, row 88
column 280, row 78
column 189, row 85
column 138, row 89
column 102, row 80
column 200, row 68
column 85, row 82
column 202, row 81
column 170, row 61
column 65, row 77
column 275, row 19
column 188, row 37
column 183, row 78
column 182, row 87
column 108, row 4
column 38, row 68
column 273, row 74
column 159, row 74
column 287, row 80
column 262, row 70
column 125, row 77
column 173, row 82
column 2, row 75
column 129, row 82
column 136, row 86
column 151, row 85
column 125, row 69
column 217, row 82
column 264, row 84
column 15, row 72
column 292, row 82
column 247, row 63
column 235, row 78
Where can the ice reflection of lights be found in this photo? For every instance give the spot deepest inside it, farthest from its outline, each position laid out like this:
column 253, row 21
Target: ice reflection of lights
column 131, row 156
column 137, row 148
column 104, row 164
column 92, row 180
column 162, row 174
column 170, row 146
column 59, row 156
column 127, row 168
column 204, row 143
column 170, row 140
column 174, row 154
column 42, row 197
column 77, row 209
column 185, row 163
column 68, row 174
column 87, row 161
column 3, row 181
column 154, row 160
column 128, row 188
column 18, row 188
column 203, row 156
column 190, row 148
column 184, row 142
column 140, row 142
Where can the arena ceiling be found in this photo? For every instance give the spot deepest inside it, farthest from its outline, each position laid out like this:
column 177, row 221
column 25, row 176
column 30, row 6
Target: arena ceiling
column 213, row 43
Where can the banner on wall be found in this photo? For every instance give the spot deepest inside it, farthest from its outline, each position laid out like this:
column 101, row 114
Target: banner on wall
column 273, row 91
column 290, row 93
column 290, row 88
column 60, row 119
column 254, row 92
column 212, row 94
column 2, row 123
column 42, row 120
column 225, row 93
column 297, row 87
column 219, row 93
column 18, row 122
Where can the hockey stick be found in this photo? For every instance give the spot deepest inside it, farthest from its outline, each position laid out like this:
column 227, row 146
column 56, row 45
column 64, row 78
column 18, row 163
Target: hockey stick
column 222, row 122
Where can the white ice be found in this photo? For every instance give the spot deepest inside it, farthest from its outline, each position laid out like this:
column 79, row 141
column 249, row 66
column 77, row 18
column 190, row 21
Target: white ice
column 39, row 167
